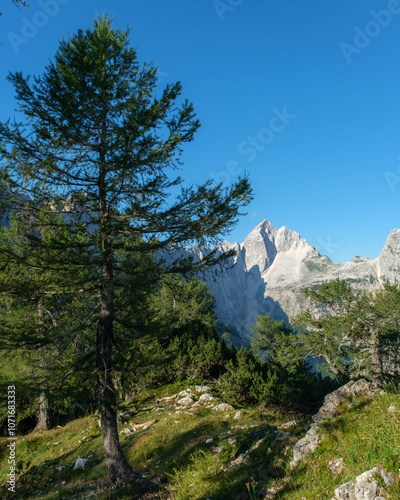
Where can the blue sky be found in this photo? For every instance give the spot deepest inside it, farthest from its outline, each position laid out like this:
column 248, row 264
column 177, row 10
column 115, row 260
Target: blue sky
column 303, row 96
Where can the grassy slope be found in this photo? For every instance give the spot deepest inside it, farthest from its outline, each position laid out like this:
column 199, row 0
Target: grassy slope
column 174, row 450
column 365, row 434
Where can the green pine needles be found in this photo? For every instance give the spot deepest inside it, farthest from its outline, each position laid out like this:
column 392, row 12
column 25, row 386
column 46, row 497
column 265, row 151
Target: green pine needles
column 88, row 173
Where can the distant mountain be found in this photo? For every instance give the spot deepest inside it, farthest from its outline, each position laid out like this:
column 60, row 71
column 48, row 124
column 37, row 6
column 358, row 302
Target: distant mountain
column 271, row 267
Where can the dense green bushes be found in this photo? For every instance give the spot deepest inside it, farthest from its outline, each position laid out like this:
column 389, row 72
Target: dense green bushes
column 245, row 381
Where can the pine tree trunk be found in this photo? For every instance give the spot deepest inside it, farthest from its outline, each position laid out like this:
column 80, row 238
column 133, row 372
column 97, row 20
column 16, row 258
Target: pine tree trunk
column 376, row 361
column 121, row 473
column 43, row 415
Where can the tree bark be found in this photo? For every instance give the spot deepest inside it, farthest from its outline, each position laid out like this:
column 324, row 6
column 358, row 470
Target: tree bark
column 43, row 415
column 121, row 473
column 376, row 361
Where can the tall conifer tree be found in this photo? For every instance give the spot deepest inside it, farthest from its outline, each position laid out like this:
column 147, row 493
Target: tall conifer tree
column 88, row 172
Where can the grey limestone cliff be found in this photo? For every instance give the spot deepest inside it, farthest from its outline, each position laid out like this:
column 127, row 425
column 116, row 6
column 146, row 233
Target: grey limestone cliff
column 272, row 265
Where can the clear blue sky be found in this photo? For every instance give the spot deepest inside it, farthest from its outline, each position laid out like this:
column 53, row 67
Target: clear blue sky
column 303, row 96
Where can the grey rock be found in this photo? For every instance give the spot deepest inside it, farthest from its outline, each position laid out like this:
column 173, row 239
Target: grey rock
column 311, row 440
column 223, row 407
column 333, row 400
column 80, row 463
column 306, row 445
column 125, row 431
column 184, row 394
column 345, row 492
column 206, row 397
column 186, row 401
column 201, row 388
column 336, row 466
column 288, row 425
column 241, row 459
column 281, row 435
column 365, row 486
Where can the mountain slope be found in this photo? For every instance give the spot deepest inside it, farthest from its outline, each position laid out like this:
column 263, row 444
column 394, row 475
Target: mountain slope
column 273, row 265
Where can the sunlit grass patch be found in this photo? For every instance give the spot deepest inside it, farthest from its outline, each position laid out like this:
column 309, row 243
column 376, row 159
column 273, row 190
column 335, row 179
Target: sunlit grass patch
column 365, row 435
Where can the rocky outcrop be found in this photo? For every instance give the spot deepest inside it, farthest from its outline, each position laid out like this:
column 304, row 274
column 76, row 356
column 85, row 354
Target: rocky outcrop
column 329, row 409
column 366, row 486
column 333, row 400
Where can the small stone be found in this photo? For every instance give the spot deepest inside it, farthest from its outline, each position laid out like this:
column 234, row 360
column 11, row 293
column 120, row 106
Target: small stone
column 209, row 440
column 223, row 407
column 206, row 397
column 391, row 409
column 258, row 444
column 281, row 435
column 184, row 394
column 125, row 431
column 80, row 463
column 217, row 449
column 64, row 482
column 288, row 425
column 336, row 466
column 237, row 415
column 186, row 401
column 241, row 459
column 201, row 388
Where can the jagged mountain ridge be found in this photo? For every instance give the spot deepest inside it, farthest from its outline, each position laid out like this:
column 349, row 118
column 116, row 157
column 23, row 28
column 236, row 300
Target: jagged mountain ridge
column 273, row 264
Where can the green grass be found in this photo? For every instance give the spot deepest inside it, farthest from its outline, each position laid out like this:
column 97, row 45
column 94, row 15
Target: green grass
column 176, row 452
column 170, row 451
column 365, row 435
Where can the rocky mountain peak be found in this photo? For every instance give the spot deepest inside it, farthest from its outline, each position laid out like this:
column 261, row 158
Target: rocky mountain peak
column 272, row 265
column 264, row 243
column 388, row 262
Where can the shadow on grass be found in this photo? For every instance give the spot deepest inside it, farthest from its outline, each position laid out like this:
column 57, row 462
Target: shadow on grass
column 341, row 422
column 178, row 454
column 39, row 477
